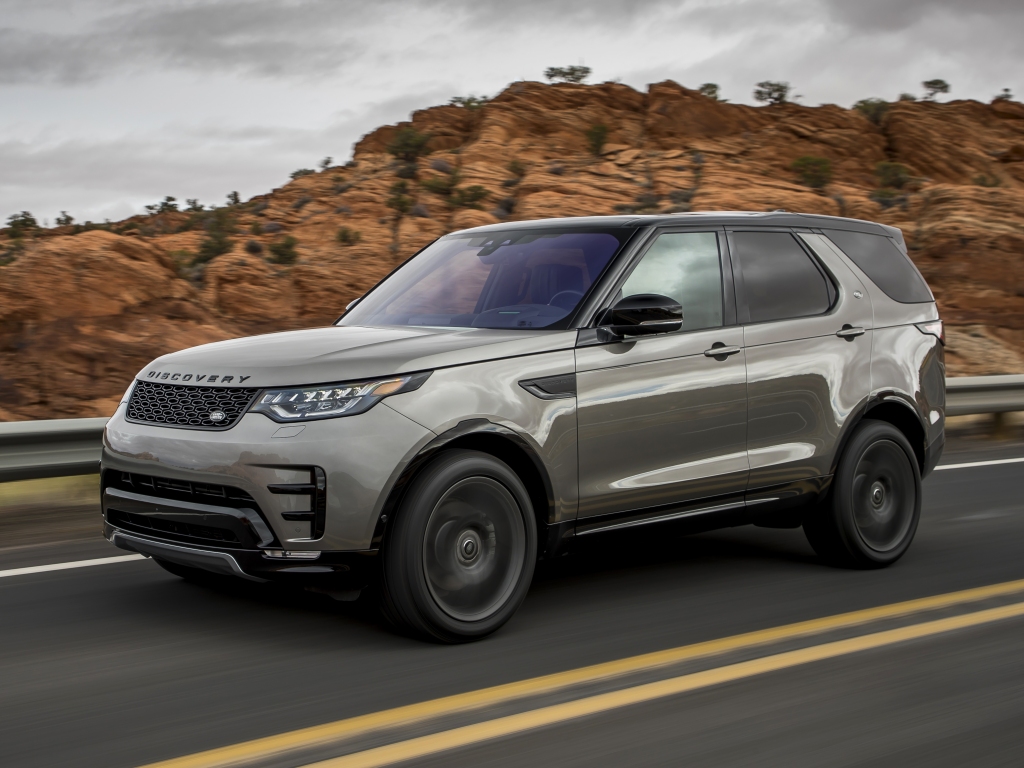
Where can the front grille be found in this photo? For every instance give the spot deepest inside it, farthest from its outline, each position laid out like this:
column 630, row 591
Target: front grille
column 189, row 407
column 171, row 529
column 167, row 488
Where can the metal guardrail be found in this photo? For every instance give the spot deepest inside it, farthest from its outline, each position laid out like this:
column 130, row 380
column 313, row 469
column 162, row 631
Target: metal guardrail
column 63, row 447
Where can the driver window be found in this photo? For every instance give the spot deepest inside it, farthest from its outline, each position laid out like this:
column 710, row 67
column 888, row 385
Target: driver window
column 684, row 266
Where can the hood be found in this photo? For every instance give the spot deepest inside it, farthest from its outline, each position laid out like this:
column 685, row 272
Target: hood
column 344, row 353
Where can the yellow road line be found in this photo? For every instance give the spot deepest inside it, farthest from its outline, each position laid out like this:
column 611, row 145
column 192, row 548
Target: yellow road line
column 559, row 713
column 487, row 697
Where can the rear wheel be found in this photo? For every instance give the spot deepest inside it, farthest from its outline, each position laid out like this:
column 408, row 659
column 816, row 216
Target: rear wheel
column 871, row 512
column 459, row 558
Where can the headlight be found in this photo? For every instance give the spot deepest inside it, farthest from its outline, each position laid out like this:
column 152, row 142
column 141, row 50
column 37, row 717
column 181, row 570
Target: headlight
column 326, row 401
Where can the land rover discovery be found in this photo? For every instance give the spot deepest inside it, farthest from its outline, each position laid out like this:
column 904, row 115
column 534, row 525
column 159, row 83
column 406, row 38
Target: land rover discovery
column 515, row 388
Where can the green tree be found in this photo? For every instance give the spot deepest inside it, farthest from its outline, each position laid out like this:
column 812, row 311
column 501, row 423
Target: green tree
column 469, row 102
column 301, row 172
column 772, row 91
column 934, row 87
column 193, row 205
column 220, row 225
column 892, row 175
column 64, row 220
column 573, row 74
column 468, row 197
column 234, row 199
column 873, row 109
column 21, row 223
column 400, row 202
column 326, row 163
column 907, row 97
column 710, row 90
column 408, row 144
column 1006, row 95
column 283, row 251
column 815, row 172
column 596, row 136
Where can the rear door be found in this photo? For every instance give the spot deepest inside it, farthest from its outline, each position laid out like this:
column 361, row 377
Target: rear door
column 662, row 423
column 807, row 335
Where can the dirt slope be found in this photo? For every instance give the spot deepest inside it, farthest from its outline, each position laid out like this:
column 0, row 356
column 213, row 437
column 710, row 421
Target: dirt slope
column 80, row 312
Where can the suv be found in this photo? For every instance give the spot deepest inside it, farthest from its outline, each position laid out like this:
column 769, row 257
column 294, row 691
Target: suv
column 515, row 387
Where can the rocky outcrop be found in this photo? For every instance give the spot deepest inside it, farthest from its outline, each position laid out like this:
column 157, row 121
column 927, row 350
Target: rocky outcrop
column 80, row 313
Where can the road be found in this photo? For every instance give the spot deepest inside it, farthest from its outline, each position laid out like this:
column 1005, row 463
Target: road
column 123, row 664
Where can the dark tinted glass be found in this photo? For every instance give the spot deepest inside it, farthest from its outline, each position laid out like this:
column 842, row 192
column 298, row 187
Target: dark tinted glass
column 885, row 264
column 779, row 279
column 514, row 279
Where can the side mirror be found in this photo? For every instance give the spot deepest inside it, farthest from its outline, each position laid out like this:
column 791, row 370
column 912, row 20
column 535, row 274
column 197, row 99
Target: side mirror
column 642, row 315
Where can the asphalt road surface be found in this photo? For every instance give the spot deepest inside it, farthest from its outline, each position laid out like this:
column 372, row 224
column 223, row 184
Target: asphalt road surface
column 123, row 664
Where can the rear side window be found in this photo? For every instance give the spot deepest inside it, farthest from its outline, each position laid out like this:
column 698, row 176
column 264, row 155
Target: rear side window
column 780, row 280
column 885, row 264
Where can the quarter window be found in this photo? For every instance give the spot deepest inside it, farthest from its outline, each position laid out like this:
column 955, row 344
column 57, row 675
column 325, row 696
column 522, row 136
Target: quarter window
column 885, row 264
column 780, row 281
column 684, row 266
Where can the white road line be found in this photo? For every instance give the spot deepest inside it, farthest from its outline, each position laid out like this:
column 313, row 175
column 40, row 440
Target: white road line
column 66, row 566
column 980, row 464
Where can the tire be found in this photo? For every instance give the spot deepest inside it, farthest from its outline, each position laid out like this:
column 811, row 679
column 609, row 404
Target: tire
column 873, row 507
column 459, row 557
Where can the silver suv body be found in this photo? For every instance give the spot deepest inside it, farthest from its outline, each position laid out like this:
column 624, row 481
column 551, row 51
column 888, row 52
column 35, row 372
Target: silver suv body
column 513, row 388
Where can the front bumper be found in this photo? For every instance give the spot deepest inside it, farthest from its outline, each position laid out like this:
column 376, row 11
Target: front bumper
column 340, row 571
column 250, row 487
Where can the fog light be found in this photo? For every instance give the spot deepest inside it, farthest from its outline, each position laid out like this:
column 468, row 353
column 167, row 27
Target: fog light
column 290, row 554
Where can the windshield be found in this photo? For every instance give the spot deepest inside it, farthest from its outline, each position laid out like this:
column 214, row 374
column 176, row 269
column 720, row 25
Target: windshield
column 512, row 279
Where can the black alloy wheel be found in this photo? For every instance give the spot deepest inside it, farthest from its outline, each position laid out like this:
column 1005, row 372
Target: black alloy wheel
column 460, row 555
column 873, row 506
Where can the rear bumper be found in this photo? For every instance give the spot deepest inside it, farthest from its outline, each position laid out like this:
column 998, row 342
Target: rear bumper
column 330, row 570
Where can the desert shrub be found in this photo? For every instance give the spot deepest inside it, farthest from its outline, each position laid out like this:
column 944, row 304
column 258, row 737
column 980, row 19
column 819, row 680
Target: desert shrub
column 167, row 205
column 517, row 168
column 302, row 202
column 255, row 247
column 301, row 172
column 441, row 185
column 468, row 197
column 21, row 223
column 469, row 102
column 907, row 97
column 772, row 91
column 256, row 228
column 348, row 236
column 193, row 205
column 506, row 205
column 892, row 175
column 326, row 163
column 1006, row 95
column 64, row 220
column 341, row 188
column 283, row 251
column 710, row 90
column 596, row 136
column 933, row 88
column 873, row 109
column 647, row 200
column 679, row 196
column 408, row 144
column 887, row 198
column 815, row 172
column 400, row 201
column 406, row 171
column 984, row 180
column 219, row 225
column 572, row 74
column 234, row 199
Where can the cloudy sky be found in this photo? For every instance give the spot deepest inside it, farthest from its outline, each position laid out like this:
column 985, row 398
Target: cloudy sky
column 106, row 105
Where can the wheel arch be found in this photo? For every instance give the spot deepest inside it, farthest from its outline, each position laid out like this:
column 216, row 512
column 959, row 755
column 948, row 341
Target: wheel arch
column 487, row 437
column 899, row 411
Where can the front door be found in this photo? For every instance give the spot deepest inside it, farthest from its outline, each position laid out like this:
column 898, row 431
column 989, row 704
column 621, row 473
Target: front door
column 662, row 419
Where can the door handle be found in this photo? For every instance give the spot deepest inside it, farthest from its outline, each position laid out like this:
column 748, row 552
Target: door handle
column 719, row 351
column 849, row 333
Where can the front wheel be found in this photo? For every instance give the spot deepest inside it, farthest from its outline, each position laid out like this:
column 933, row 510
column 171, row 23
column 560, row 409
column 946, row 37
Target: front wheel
column 459, row 558
column 872, row 509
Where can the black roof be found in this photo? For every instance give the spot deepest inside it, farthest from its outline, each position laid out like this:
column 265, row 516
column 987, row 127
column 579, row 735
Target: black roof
column 707, row 218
